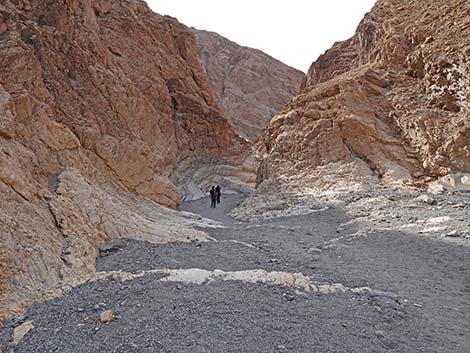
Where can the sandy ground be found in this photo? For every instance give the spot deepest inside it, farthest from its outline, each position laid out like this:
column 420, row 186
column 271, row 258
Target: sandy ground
column 383, row 290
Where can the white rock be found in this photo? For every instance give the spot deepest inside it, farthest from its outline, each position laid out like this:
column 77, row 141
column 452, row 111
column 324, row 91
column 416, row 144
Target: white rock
column 465, row 180
column 453, row 234
column 436, row 187
column 426, row 199
column 449, row 180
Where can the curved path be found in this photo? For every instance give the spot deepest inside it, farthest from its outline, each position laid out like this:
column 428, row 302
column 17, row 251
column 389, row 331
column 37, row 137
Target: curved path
column 297, row 284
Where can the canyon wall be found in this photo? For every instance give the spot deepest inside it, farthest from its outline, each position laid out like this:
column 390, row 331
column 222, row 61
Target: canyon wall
column 249, row 85
column 104, row 108
column 389, row 105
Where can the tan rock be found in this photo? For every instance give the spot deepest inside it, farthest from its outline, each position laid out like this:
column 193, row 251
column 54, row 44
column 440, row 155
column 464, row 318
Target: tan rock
column 21, row 331
column 94, row 128
column 249, row 85
column 448, row 180
column 107, row 316
column 436, row 187
column 465, row 180
column 387, row 98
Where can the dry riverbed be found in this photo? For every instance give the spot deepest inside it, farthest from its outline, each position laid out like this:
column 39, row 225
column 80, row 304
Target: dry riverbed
column 377, row 271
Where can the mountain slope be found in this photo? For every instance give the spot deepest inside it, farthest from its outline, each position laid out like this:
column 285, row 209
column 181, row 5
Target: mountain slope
column 249, row 85
column 390, row 104
column 102, row 103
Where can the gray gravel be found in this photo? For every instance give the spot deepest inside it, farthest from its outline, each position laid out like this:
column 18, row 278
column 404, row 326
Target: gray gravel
column 419, row 301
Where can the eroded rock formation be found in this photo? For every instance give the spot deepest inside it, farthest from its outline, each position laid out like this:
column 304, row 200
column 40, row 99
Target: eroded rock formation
column 392, row 103
column 249, row 85
column 102, row 103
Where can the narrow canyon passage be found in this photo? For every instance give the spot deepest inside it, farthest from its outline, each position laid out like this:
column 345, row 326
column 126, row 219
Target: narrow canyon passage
column 294, row 284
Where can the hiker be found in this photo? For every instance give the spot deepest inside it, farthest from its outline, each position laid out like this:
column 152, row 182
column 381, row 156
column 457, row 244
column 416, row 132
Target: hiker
column 218, row 193
column 213, row 197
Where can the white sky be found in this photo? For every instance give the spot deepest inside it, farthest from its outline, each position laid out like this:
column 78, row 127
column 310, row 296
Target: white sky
column 295, row 31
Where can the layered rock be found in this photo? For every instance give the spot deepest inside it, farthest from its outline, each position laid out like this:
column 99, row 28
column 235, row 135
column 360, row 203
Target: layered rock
column 249, row 85
column 103, row 107
column 389, row 104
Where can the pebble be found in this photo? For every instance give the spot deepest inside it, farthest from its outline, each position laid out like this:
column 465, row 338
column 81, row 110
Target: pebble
column 288, row 297
column 380, row 333
column 107, row 316
column 314, row 250
column 453, row 234
column 427, row 199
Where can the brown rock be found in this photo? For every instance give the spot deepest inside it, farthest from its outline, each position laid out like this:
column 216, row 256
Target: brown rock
column 3, row 25
column 360, row 117
column 107, row 316
column 249, row 85
column 102, row 7
column 104, row 109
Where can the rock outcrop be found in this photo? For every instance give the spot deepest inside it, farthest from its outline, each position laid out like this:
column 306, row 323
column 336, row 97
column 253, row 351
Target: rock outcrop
column 104, row 106
column 249, row 85
column 390, row 104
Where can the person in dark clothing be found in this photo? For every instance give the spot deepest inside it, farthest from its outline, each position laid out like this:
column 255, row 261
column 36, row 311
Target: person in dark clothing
column 218, row 193
column 213, row 197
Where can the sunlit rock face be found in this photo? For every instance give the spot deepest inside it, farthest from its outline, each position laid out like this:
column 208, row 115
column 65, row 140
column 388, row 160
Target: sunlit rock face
column 102, row 103
column 249, row 85
column 390, row 104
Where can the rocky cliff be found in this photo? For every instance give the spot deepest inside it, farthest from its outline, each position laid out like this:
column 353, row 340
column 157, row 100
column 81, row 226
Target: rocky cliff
column 249, row 85
column 390, row 104
column 104, row 107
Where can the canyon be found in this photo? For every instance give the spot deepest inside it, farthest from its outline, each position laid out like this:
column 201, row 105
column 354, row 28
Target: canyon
column 390, row 104
column 105, row 107
column 344, row 219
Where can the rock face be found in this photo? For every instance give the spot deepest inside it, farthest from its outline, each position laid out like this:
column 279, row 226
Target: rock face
column 102, row 103
column 249, row 85
column 389, row 104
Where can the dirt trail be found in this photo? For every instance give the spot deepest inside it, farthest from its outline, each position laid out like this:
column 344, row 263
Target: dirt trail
column 295, row 284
